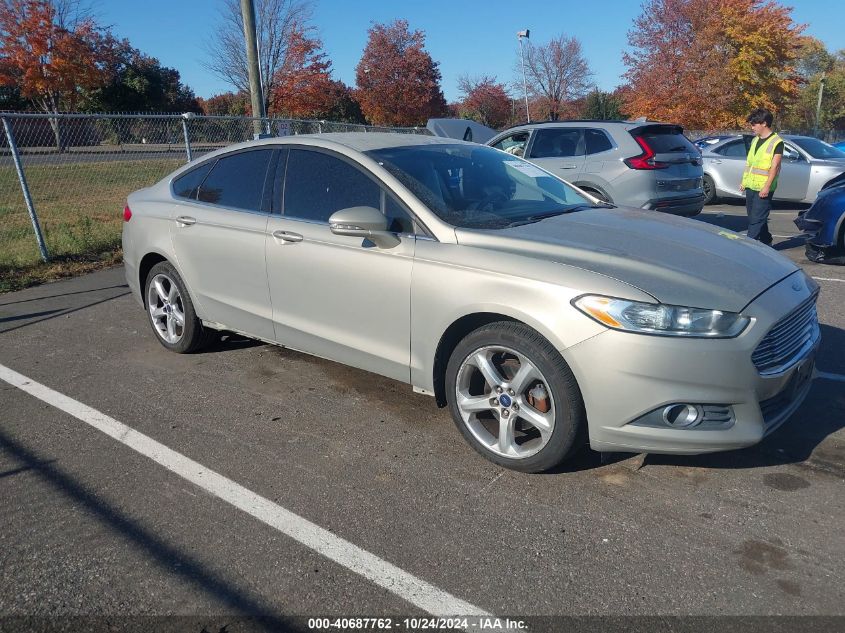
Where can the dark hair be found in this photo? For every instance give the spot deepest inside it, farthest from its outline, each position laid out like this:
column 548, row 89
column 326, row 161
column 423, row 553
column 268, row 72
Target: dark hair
column 760, row 115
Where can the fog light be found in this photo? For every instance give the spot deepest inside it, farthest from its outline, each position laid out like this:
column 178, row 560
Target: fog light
column 682, row 416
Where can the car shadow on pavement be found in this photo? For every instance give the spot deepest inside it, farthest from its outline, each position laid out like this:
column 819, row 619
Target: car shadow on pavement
column 63, row 294
column 53, row 314
column 167, row 556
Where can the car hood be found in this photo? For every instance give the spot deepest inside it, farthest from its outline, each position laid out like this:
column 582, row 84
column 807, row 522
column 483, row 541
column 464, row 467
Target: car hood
column 675, row 260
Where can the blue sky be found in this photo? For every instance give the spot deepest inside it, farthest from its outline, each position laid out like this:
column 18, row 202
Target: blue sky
column 465, row 36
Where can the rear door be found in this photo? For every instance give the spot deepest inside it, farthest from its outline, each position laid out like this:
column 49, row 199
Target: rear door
column 682, row 176
column 218, row 234
column 559, row 150
column 726, row 163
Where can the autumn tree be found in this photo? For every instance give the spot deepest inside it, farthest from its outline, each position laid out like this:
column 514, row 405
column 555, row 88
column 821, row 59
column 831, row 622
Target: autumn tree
column 398, row 81
column 556, row 72
column 484, row 100
column 276, row 24
column 706, row 63
column 304, row 85
column 227, row 104
column 50, row 54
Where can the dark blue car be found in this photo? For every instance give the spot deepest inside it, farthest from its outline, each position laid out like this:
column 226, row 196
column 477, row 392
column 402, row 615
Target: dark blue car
column 824, row 224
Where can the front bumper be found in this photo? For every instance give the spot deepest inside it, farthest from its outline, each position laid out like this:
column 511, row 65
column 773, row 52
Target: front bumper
column 624, row 377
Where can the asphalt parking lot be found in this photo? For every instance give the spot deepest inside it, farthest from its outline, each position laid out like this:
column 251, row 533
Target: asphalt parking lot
column 277, row 454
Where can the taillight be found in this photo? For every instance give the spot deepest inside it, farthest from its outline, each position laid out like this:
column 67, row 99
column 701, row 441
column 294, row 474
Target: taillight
column 127, row 213
column 646, row 159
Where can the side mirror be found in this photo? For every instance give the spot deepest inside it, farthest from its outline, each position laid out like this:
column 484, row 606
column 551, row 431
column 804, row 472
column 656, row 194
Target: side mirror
column 367, row 222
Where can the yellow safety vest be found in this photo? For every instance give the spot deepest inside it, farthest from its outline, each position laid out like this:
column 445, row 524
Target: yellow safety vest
column 759, row 163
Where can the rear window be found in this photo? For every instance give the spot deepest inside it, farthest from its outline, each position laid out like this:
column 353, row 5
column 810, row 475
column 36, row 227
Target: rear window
column 663, row 140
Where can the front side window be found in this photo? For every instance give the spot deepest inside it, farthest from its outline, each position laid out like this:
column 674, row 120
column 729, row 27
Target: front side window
column 472, row 186
column 237, row 180
column 557, row 143
column 317, row 185
column 514, row 144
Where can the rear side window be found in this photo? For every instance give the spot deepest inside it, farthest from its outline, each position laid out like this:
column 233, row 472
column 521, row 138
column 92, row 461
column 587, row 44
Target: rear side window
column 237, row 180
column 557, row 143
column 666, row 140
column 317, row 185
column 187, row 185
column 597, row 141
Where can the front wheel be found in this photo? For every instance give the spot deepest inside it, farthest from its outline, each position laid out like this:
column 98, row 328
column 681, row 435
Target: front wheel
column 514, row 398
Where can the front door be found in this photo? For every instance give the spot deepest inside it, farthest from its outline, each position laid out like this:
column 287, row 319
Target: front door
column 339, row 297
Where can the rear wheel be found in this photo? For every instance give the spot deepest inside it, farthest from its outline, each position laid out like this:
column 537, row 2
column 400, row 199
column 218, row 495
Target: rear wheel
column 514, row 398
column 171, row 311
column 709, row 190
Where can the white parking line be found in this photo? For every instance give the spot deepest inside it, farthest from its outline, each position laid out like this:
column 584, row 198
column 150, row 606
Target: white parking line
column 395, row 580
column 829, row 376
column 828, row 279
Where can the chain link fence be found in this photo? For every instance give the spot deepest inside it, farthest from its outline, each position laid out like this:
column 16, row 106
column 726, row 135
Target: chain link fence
column 64, row 178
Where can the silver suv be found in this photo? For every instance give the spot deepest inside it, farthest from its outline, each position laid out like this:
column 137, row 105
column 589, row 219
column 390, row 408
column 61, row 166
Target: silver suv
column 633, row 163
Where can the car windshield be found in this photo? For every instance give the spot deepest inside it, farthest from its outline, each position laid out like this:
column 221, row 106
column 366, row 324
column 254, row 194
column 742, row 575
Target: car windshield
column 818, row 149
column 479, row 187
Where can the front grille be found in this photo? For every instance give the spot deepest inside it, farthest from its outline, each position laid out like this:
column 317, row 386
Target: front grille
column 788, row 340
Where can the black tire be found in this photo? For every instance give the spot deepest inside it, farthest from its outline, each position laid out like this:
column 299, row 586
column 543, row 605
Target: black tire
column 568, row 434
column 709, row 190
column 192, row 336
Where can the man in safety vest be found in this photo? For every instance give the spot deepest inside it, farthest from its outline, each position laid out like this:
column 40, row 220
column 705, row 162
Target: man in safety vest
column 760, row 178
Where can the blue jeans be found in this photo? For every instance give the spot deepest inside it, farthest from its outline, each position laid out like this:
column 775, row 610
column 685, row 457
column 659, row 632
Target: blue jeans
column 758, row 215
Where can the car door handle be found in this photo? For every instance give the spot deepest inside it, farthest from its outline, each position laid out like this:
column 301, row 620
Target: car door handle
column 185, row 220
column 716, row 161
column 287, row 236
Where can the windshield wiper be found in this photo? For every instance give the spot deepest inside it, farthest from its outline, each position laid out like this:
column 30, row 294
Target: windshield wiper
column 568, row 209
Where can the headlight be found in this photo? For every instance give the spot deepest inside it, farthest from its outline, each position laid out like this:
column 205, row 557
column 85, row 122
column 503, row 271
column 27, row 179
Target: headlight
column 663, row 320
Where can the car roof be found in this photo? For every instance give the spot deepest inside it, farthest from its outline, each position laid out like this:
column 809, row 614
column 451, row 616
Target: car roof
column 570, row 122
column 359, row 141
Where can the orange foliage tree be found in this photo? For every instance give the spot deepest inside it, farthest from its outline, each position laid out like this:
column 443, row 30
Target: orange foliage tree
column 49, row 62
column 706, row 63
column 398, row 81
column 304, row 87
column 485, row 101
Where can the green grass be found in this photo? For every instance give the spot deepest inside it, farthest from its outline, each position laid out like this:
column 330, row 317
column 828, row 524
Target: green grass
column 80, row 209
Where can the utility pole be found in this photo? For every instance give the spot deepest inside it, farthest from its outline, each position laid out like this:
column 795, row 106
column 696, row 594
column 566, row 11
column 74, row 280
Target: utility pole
column 256, row 94
column 519, row 36
column 819, row 104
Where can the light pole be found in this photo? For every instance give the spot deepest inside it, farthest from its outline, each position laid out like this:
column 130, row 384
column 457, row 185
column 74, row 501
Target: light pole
column 819, row 103
column 519, row 36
